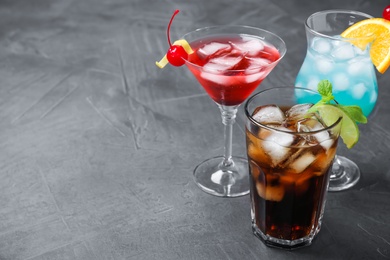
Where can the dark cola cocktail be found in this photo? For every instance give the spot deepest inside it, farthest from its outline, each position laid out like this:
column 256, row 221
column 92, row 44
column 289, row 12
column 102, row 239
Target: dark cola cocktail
column 290, row 152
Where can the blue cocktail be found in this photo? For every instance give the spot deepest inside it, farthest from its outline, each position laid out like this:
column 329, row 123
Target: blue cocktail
column 347, row 67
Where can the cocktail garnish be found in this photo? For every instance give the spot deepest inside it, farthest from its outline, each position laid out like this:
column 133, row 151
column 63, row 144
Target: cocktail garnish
column 377, row 32
column 386, row 13
column 330, row 112
column 176, row 52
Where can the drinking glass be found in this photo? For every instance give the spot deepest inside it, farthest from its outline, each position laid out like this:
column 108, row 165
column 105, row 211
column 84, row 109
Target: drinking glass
column 227, row 175
column 290, row 161
column 347, row 67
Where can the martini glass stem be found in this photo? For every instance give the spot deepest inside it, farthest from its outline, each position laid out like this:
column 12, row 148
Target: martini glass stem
column 228, row 115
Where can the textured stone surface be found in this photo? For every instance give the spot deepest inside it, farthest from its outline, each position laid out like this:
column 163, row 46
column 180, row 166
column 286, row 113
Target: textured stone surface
column 97, row 145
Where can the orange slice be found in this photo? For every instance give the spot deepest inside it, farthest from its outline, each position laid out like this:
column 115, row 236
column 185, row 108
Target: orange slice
column 164, row 61
column 379, row 28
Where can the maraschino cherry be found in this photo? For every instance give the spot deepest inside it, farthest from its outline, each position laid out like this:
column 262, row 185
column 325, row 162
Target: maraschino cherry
column 176, row 53
column 386, row 13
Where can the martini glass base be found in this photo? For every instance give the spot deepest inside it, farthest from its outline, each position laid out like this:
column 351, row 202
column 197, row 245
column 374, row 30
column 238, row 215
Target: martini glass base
column 214, row 178
column 345, row 174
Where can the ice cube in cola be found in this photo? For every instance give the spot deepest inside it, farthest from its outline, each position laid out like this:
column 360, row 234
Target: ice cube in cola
column 289, row 166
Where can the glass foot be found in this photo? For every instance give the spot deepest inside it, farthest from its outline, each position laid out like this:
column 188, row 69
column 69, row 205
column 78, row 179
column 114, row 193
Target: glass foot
column 283, row 243
column 224, row 181
column 345, row 174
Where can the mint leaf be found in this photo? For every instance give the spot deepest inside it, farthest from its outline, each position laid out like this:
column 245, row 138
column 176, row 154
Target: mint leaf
column 324, row 87
column 355, row 113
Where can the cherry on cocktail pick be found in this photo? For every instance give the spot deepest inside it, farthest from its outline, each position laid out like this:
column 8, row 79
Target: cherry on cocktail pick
column 176, row 53
column 386, row 13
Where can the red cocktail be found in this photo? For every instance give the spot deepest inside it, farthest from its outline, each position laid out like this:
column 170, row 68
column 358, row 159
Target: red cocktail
column 232, row 65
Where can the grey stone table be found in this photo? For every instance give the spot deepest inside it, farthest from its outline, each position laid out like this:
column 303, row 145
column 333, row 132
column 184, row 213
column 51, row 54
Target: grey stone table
column 98, row 146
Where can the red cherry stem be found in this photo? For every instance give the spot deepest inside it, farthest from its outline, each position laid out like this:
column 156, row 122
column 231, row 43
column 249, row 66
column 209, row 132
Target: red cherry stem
column 169, row 27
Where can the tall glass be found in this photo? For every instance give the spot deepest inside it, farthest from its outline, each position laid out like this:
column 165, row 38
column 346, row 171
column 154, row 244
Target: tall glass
column 290, row 153
column 347, row 67
column 227, row 176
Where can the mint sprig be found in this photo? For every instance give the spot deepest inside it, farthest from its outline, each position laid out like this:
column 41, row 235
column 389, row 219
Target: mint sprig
column 325, row 89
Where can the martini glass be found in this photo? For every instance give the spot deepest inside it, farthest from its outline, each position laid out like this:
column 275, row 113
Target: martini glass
column 230, row 62
column 348, row 68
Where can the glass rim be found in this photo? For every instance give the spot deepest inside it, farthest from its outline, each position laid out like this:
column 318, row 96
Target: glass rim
column 336, row 11
column 255, row 69
column 252, row 120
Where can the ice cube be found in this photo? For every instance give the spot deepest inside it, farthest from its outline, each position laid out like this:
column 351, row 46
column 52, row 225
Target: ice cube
column 344, row 52
column 281, row 138
column 272, row 193
column 212, row 48
column 269, row 114
column 327, row 143
column 322, row 137
column 358, row 90
column 340, row 82
column 258, row 69
column 302, row 162
column 306, row 124
column 276, row 145
column 249, row 45
column 254, row 77
column 214, row 69
column 358, row 67
column 298, row 111
column 258, row 62
column 324, row 66
column 321, row 45
column 226, row 61
column 216, row 78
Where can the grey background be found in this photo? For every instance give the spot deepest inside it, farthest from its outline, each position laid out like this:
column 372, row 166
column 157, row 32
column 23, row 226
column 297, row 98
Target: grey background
column 97, row 145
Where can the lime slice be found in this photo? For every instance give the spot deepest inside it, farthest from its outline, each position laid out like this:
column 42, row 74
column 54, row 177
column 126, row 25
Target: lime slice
column 349, row 129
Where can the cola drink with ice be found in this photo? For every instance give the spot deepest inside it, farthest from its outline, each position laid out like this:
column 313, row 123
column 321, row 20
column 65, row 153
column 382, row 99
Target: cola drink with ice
column 290, row 152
